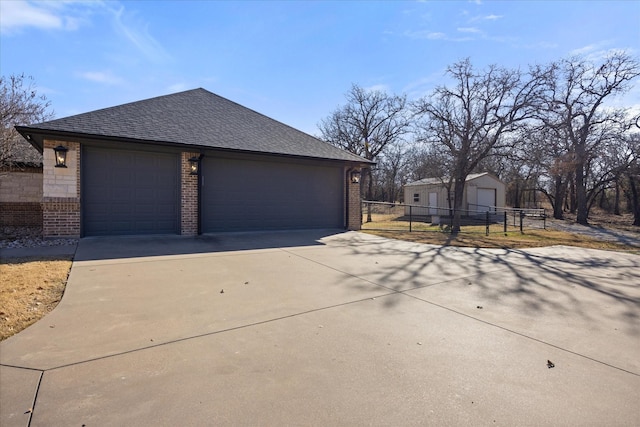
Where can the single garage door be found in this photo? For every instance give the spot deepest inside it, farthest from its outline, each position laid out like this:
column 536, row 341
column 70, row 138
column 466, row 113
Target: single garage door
column 486, row 199
column 240, row 195
column 129, row 192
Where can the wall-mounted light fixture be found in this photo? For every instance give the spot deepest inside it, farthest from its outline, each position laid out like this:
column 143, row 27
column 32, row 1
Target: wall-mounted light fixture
column 194, row 164
column 355, row 176
column 61, row 156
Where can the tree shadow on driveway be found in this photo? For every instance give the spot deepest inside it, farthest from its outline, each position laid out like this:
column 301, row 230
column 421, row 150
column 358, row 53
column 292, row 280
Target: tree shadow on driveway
column 582, row 300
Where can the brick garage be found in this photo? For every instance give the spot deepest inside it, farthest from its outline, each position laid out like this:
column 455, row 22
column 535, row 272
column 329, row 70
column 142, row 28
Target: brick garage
column 129, row 171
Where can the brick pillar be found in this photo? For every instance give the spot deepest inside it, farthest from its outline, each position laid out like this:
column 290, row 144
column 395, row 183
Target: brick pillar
column 188, row 197
column 354, row 204
column 61, row 192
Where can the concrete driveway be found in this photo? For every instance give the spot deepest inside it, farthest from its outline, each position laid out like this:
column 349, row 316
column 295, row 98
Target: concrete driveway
column 321, row 328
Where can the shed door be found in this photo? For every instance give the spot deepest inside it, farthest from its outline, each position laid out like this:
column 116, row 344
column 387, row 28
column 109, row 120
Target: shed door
column 129, row 192
column 239, row 195
column 433, row 203
column 486, row 199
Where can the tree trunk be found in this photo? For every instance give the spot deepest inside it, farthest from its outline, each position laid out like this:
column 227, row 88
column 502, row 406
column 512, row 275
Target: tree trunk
column 581, row 196
column 572, row 194
column 458, row 194
column 560, row 194
column 516, row 196
column 635, row 199
column 604, row 203
column 616, row 200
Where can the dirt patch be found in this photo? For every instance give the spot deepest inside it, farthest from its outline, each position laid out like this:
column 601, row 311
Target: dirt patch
column 31, row 288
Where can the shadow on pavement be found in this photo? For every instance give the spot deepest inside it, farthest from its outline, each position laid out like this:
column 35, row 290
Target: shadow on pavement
column 103, row 248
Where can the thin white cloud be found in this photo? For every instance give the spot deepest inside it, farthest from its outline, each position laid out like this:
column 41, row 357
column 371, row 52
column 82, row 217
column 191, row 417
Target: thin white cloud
column 425, row 34
column 435, row 35
column 137, row 33
column 377, row 88
column 600, row 48
column 469, row 30
column 491, row 17
column 101, row 77
column 21, row 14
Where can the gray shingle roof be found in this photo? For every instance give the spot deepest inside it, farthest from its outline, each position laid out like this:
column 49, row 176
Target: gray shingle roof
column 196, row 118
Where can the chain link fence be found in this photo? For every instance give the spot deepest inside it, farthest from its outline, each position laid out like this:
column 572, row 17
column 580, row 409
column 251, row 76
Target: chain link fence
column 481, row 219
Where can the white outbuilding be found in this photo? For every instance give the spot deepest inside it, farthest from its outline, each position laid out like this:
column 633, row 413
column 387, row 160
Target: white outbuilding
column 482, row 192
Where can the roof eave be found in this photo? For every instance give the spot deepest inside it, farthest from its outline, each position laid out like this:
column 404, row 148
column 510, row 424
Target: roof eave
column 36, row 136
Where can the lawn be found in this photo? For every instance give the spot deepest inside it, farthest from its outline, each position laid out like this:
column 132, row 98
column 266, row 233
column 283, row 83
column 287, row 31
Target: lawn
column 475, row 237
column 31, row 288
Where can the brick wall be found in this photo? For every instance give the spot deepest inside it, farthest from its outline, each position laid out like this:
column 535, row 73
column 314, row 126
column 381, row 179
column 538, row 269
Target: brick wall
column 61, row 192
column 21, row 187
column 354, row 205
column 20, row 214
column 188, row 197
column 60, row 217
column 21, row 197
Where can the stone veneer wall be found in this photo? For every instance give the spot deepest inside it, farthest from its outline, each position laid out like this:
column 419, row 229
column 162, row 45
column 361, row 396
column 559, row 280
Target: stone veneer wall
column 61, row 192
column 354, row 205
column 188, row 197
column 21, row 197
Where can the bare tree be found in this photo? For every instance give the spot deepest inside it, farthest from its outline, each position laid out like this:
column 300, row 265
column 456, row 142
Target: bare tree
column 20, row 104
column 630, row 181
column 575, row 108
column 369, row 123
column 391, row 173
column 476, row 116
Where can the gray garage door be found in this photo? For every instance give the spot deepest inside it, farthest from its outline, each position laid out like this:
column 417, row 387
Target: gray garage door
column 240, row 195
column 129, row 192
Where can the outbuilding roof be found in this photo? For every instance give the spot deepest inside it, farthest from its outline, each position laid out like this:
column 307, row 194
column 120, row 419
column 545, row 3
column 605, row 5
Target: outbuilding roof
column 196, row 119
column 439, row 181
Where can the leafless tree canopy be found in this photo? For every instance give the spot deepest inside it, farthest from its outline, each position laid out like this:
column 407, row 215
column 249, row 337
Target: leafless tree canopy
column 20, row 104
column 475, row 116
column 368, row 123
column 574, row 110
column 550, row 130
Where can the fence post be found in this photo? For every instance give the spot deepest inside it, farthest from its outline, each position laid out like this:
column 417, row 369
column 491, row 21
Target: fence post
column 486, row 223
column 505, row 221
column 521, row 221
column 544, row 219
column 410, row 217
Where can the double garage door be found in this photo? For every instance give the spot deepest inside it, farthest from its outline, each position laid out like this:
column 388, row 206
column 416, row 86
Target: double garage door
column 135, row 192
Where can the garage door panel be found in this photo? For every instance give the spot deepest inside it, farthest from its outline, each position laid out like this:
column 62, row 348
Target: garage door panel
column 253, row 195
column 129, row 192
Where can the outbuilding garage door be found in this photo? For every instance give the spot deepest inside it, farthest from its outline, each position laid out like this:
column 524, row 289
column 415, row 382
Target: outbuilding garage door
column 486, row 199
column 240, row 195
column 129, row 192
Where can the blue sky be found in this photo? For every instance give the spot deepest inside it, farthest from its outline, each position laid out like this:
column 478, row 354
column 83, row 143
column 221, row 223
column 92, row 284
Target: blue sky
column 291, row 60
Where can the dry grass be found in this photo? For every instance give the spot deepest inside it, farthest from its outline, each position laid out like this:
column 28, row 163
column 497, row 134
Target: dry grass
column 509, row 240
column 31, row 288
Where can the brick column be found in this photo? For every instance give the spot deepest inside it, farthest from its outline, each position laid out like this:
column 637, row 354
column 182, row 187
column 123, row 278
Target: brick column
column 354, row 204
column 61, row 192
column 188, row 197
